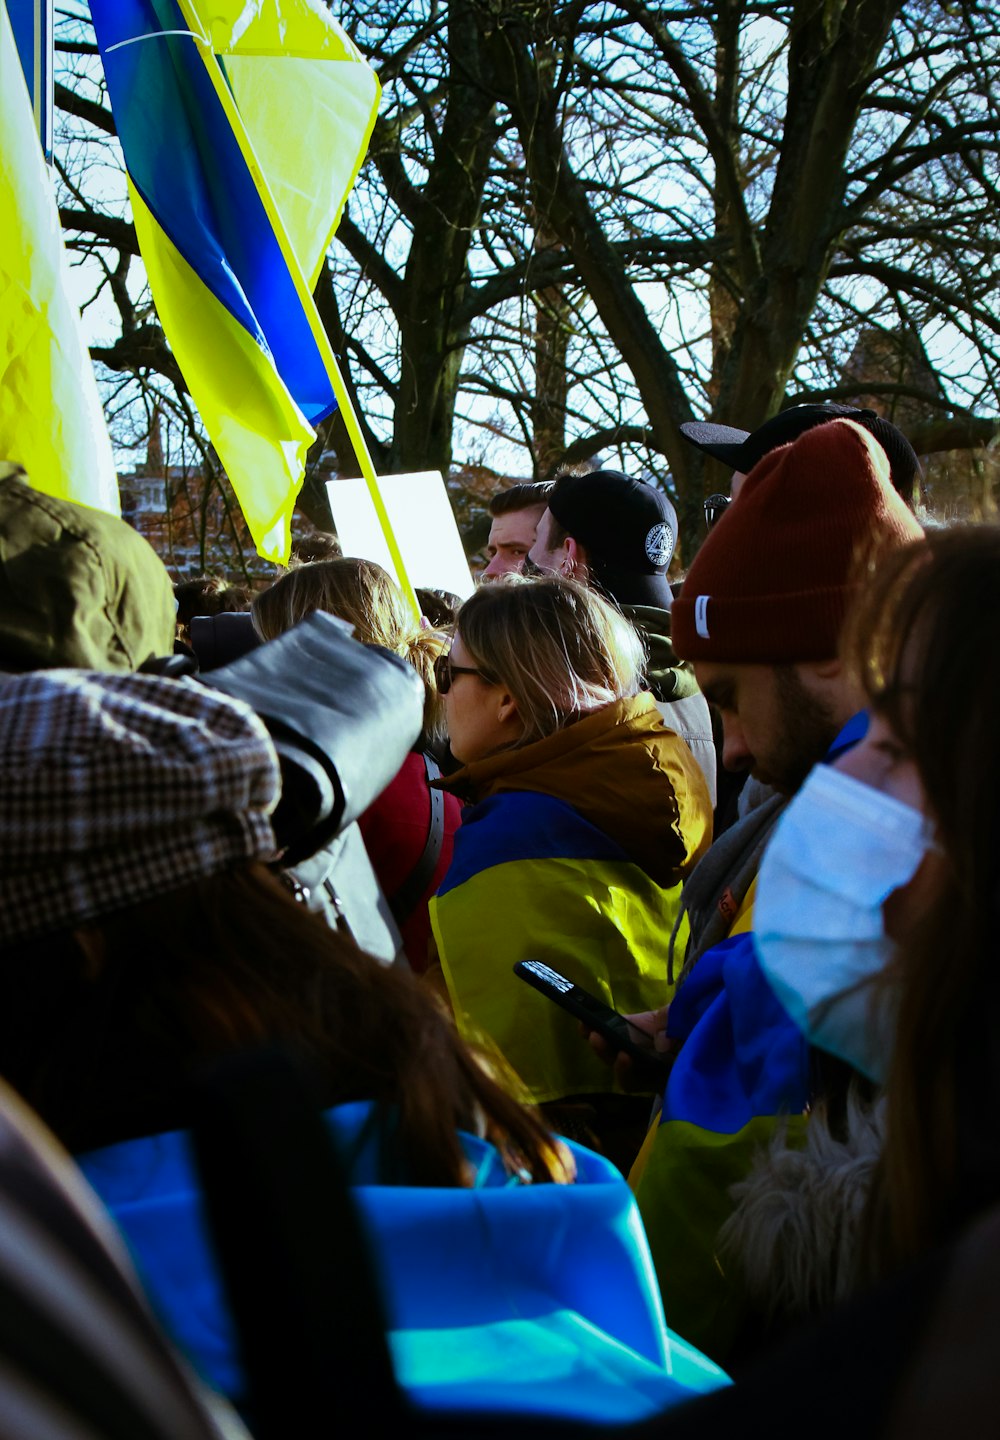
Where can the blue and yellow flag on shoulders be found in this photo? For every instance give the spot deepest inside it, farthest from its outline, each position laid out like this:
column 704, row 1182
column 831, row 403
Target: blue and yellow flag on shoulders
column 243, row 129
column 742, row 1070
column 532, row 879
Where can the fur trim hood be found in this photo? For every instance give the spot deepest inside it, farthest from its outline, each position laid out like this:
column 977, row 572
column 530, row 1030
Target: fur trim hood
column 795, row 1234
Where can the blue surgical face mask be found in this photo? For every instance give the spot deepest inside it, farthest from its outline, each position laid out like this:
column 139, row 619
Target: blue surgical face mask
column 837, row 854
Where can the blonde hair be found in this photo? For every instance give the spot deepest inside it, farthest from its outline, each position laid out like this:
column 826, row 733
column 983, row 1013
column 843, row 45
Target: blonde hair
column 559, row 647
column 367, row 597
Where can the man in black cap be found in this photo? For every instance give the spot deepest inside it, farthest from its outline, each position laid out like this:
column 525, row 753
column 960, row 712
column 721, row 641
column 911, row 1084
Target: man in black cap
column 619, row 534
column 742, row 449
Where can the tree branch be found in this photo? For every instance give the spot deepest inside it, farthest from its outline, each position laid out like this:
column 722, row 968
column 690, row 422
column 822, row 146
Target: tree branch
column 84, row 109
column 119, row 233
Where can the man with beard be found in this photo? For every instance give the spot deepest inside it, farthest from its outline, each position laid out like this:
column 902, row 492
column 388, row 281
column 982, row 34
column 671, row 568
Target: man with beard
column 760, row 618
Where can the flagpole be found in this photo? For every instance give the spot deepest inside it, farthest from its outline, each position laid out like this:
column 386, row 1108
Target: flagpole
column 31, row 24
column 367, row 467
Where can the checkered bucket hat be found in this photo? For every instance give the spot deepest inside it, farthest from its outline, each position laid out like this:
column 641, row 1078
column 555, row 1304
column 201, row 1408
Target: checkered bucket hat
column 116, row 788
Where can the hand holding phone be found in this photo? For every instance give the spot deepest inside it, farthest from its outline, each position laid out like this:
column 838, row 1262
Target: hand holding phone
column 620, row 1035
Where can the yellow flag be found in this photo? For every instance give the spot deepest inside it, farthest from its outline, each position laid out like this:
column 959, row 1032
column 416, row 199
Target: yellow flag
column 51, row 421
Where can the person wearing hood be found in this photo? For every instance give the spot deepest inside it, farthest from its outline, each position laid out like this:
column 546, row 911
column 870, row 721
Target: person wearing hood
column 78, row 588
column 618, row 534
column 587, row 814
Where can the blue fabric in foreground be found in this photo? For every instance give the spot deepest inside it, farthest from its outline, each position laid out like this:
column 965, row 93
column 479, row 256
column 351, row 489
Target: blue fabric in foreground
column 183, row 158
column 534, row 1299
column 742, row 1054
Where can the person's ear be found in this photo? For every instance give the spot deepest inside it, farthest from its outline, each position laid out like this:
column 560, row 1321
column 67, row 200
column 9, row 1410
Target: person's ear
column 507, row 711
column 572, row 558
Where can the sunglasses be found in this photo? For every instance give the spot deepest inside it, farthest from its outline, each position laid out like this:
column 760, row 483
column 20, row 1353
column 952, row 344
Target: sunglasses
column 445, row 672
column 715, row 507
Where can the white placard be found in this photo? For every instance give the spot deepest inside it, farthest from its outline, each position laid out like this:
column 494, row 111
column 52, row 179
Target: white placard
column 424, row 525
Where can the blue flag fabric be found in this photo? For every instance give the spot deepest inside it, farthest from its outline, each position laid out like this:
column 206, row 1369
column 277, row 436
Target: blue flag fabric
column 530, row 1299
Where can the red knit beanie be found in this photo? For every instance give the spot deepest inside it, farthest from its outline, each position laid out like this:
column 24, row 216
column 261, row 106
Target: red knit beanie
column 772, row 583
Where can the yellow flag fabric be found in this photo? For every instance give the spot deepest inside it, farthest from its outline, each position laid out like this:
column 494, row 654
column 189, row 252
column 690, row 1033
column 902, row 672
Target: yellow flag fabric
column 51, row 421
column 243, row 124
column 257, row 429
column 314, row 85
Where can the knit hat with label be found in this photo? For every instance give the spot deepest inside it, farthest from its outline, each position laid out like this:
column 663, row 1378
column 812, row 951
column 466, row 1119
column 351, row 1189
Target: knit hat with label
column 773, row 580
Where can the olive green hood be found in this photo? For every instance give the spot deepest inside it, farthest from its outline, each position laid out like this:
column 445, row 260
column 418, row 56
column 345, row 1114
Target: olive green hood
column 668, row 678
column 78, row 587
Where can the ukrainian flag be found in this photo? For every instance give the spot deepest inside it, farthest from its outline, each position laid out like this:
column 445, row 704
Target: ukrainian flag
column 243, row 129
column 51, row 421
column 743, row 1069
column 531, row 878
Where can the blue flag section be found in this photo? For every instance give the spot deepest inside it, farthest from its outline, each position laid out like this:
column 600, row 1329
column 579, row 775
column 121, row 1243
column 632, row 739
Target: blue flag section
column 503, row 1297
column 742, row 1071
column 187, row 165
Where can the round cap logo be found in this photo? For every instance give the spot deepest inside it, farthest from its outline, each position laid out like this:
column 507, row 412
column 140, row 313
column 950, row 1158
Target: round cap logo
column 660, row 544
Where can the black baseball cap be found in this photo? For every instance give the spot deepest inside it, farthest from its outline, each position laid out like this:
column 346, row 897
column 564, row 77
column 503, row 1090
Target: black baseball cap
column 742, row 449
column 628, row 528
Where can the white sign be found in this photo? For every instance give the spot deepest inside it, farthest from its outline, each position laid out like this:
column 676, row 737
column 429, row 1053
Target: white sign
column 423, row 522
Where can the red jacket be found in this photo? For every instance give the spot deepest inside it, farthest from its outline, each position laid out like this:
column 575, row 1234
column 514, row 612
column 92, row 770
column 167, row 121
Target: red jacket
column 395, row 832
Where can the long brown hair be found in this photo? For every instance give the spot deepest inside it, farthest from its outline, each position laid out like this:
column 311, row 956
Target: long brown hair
column 925, row 645
column 99, row 1030
column 367, row 597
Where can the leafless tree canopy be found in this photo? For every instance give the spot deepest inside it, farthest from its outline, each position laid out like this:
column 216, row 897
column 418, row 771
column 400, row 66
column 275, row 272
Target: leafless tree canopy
column 581, row 224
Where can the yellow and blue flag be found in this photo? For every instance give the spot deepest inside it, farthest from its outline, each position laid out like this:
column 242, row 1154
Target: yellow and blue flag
column 51, row 421
column 559, row 890
column 742, row 1070
column 243, row 129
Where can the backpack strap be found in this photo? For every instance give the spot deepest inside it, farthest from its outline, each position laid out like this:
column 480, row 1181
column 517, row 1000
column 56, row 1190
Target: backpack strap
column 404, row 900
column 294, row 1257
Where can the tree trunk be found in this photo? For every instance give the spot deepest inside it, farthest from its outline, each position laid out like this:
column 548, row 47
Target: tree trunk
column 445, row 214
column 526, row 88
column 831, row 56
column 548, row 406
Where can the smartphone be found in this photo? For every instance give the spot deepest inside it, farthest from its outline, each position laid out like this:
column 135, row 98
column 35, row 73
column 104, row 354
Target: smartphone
column 613, row 1027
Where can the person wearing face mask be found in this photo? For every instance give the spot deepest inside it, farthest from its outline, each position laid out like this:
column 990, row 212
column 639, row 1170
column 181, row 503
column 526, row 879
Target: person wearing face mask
column 889, row 966
column 760, row 616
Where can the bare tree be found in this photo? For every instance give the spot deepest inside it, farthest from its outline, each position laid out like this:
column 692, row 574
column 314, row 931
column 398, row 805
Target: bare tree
column 589, row 222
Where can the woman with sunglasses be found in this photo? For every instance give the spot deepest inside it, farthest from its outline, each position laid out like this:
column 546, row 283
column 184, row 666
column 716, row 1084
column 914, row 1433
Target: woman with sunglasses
column 409, row 830
column 587, row 814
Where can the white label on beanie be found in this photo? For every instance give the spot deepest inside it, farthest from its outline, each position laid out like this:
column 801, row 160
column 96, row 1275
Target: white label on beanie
column 659, row 544
column 701, row 616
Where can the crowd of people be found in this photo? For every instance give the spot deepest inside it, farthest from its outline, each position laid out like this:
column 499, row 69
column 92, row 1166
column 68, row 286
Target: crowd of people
column 754, row 811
